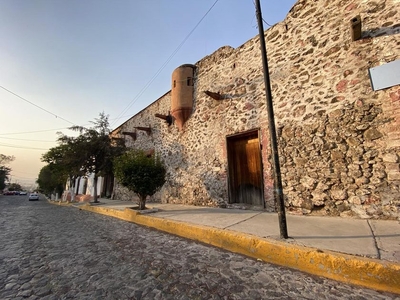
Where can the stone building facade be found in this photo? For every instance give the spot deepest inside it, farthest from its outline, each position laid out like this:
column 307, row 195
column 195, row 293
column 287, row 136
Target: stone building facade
column 338, row 139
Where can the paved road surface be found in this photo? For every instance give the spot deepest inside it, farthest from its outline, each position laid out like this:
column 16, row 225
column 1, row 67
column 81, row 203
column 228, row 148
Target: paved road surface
column 55, row 252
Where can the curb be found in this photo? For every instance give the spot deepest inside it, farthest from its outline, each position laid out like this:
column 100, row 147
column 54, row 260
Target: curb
column 367, row 272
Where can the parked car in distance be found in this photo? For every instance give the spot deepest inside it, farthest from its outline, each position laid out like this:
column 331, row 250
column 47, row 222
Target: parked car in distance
column 23, row 193
column 33, row 197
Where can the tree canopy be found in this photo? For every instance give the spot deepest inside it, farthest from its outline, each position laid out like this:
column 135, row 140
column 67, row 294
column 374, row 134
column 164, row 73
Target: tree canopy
column 15, row 187
column 65, row 158
column 51, row 179
column 140, row 173
column 4, row 169
column 91, row 152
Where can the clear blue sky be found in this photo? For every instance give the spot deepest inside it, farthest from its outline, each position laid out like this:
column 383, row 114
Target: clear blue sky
column 77, row 58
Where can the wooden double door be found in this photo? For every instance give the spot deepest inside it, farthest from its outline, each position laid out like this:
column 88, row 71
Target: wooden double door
column 246, row 183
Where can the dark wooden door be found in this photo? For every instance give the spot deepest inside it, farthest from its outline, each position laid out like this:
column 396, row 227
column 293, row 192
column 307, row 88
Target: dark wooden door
column 245, row 169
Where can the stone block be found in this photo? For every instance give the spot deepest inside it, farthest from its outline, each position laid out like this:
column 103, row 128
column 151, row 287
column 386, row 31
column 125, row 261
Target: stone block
column 353, row 142
column 355, row 173
column 372, row 134
column 394, row 176
column 361, row 180
column 338, row 194
column 299, row 161
column 392, row 168
column 319, row 198
column 363, row 192
column 308, row 182
column 376, row 180
column 393, row 143
column 391, row 158
column 337, row 155
column 360, row 212
column 354, row 200
column 322, row 186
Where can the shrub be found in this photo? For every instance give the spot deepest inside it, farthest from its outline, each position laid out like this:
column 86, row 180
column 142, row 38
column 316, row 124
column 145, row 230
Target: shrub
column 140, row 173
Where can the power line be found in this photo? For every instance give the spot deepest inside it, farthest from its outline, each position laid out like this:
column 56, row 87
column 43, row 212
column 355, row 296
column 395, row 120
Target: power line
column 25, row 132
column 164, row 65
column 13, row 171
column 262, row 18
column 47, row 130
column 266, row 22
column 28, row 140
column 15, row 177
column 49, row 112
column 21, row 147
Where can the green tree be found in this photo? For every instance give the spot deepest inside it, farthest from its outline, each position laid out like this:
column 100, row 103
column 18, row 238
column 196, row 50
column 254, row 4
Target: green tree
column 65, row 161
column 51, row 179
column 4, row 169
column 4, row 172
column 92, row 151
column 15, row 187
column 140, row 173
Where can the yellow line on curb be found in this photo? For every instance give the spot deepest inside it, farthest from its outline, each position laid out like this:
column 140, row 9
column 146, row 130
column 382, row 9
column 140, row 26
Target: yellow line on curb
column 367, row 272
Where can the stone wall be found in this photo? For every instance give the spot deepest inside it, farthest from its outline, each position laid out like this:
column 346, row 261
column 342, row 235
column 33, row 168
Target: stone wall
column 339, row 141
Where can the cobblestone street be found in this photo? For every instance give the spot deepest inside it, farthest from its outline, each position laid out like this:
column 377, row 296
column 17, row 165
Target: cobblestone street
column 55, row 252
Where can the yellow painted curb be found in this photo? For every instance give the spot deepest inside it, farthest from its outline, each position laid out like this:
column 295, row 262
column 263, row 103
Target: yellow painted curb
column 370, row 273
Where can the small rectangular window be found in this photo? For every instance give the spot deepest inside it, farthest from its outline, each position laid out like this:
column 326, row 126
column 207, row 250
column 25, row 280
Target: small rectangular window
column 190, row 81
column 174, row 83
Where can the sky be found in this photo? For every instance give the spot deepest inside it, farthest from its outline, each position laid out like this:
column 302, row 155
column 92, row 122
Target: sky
column 64, row 62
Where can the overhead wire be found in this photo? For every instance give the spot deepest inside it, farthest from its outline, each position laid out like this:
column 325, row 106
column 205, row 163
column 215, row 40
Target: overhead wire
column 135, row 98
column 36, row 131
column 28, row 140
column 131, row 103
column 49, row 112
column 163, row 65
column 14, row 171
column 261, row 18
column 47, row 130
column 266, row 22
column 21, row 147
column 140, row 92
column 24, row 174
column 16, row 177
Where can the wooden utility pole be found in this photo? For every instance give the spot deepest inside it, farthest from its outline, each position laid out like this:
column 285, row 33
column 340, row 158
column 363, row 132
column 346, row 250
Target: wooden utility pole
column 272, row 131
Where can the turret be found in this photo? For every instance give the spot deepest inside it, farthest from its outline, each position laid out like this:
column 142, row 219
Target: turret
column 182, row 94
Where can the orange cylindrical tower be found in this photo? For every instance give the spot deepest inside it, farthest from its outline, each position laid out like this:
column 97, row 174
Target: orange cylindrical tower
column 182, row 94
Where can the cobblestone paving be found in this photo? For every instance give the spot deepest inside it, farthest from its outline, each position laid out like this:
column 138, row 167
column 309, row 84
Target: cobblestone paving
column 54, row 252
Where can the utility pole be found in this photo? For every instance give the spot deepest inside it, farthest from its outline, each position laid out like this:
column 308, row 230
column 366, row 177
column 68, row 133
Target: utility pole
column 272, row 131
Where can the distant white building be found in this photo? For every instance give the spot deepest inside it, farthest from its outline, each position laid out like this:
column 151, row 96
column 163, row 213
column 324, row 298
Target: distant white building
column 83, row 186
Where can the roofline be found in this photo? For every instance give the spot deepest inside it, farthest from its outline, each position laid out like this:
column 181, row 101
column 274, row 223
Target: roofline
column 116, row 128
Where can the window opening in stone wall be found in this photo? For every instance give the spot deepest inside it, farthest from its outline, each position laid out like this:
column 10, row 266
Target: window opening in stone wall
column 174, row 83
column 190, row 81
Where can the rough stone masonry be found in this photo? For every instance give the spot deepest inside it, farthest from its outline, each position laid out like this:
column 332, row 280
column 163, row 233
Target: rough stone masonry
column 339, row 140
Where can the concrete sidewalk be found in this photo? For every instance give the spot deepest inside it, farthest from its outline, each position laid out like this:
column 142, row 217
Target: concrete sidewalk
column 364, row 252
